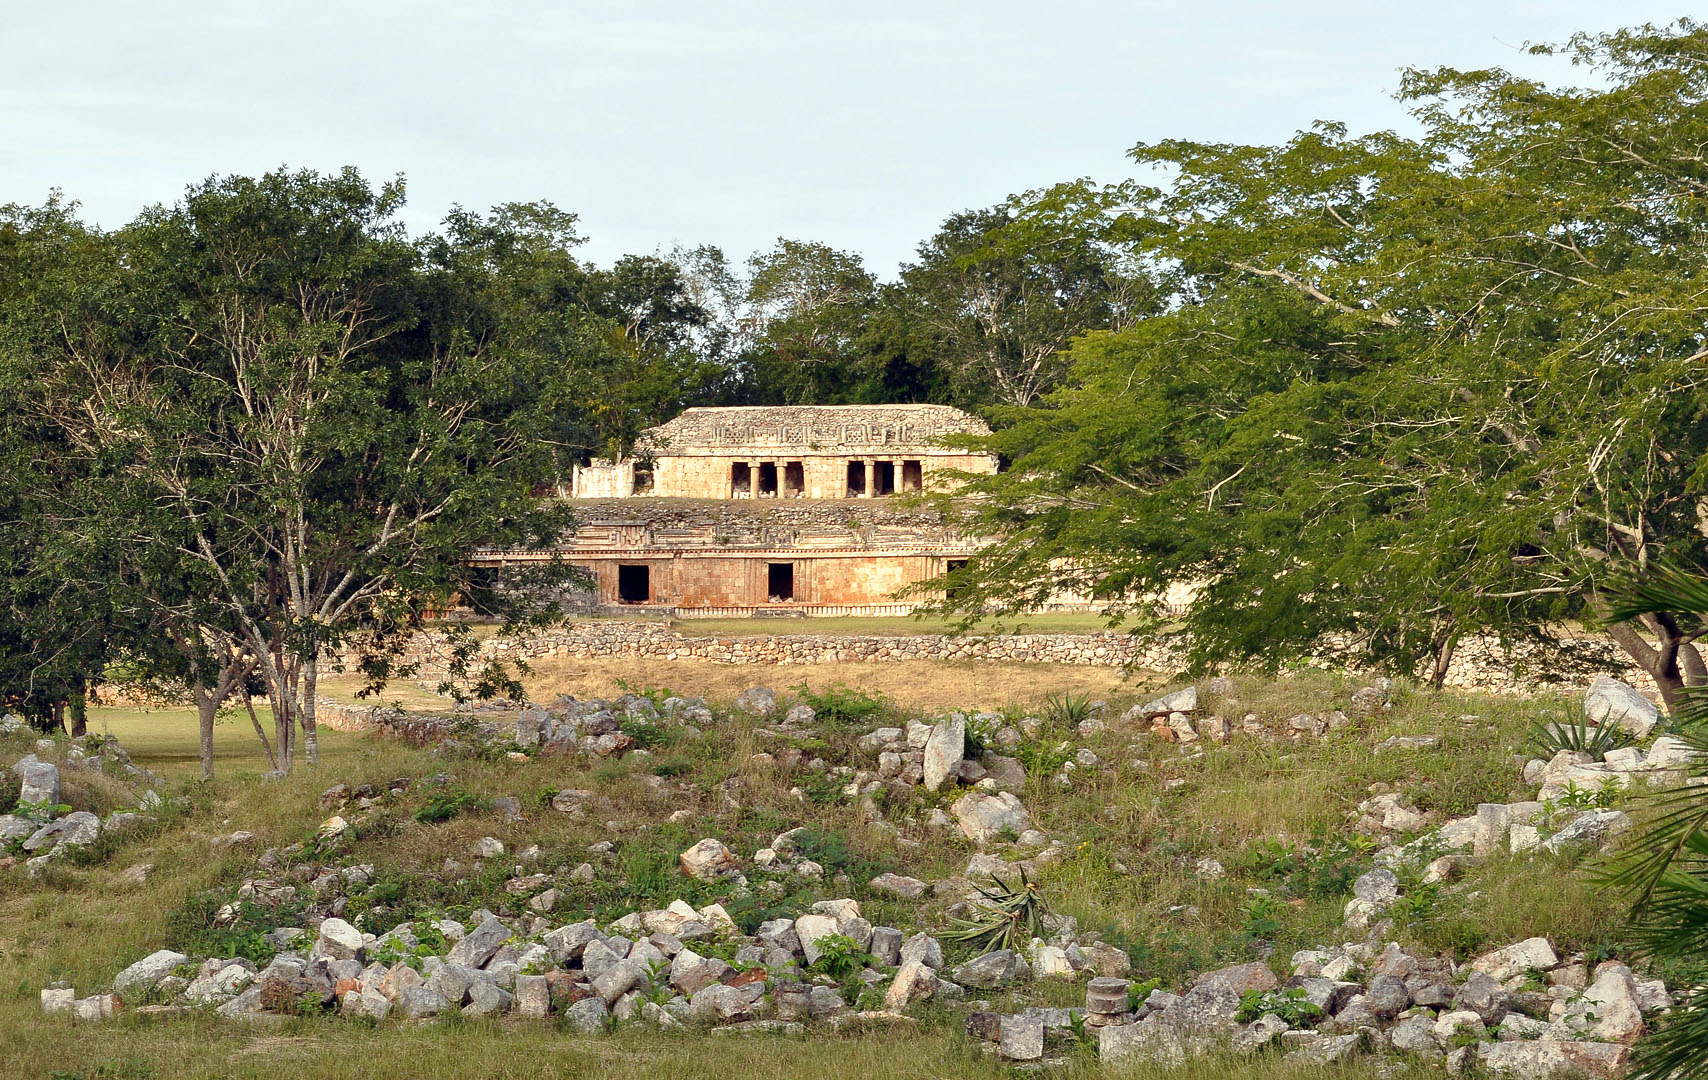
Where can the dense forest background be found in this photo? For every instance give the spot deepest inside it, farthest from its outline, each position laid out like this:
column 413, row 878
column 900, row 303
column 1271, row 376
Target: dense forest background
column 1381, row 391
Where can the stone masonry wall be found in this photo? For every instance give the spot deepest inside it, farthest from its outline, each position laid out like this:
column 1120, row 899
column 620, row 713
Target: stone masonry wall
column 1481, row 664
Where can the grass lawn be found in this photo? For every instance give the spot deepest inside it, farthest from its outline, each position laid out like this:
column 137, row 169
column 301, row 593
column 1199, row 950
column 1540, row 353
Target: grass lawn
column 1132, row 832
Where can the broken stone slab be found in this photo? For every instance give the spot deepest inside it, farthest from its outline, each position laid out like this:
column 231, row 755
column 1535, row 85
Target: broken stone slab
column 1609, row 701
column 810, row 929
column 38, row 781
column 478, row 945
column 944, row 749
column 145, row 974
column 1551, row 1059
column 1181, row 701
column 708, row 860
column 1021, row 1037
column 1531, row 954
column 1607, row 1011
column 757, row 701
column 58, row 999
column 896, row 885
column 1592, row 828
column 990, row 971
column 1408, row 742
column 983, row 816
column 913, row 982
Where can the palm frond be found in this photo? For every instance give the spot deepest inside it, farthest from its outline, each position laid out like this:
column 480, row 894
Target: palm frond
column 1675, row 1051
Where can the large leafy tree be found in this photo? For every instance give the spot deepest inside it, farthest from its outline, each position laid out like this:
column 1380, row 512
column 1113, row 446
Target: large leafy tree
column 997, row 294
column 1410, row 389
column 293, row 423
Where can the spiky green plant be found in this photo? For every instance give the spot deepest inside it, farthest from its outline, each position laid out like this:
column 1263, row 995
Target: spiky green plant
column 1068, row 708
column 1013, row 915
column 1663, row 864
column 1549, row 736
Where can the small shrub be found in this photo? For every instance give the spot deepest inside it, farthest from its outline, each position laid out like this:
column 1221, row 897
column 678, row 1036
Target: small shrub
column 1289, row 1005
column 194, row 927
column 447, row 805
column 842, row 704
column 1262, row 917
column 10, row 786
column 840, row 957
column 829, row 848
column 648, row 734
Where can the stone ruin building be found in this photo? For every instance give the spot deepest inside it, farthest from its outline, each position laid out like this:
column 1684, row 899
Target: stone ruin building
column 769, row 511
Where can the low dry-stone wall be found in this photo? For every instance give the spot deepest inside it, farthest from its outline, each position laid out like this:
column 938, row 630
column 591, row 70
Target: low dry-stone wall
column 1480, row 663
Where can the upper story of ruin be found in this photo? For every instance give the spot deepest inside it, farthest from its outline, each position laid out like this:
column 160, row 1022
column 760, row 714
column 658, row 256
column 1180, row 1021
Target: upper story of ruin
column 792, row 452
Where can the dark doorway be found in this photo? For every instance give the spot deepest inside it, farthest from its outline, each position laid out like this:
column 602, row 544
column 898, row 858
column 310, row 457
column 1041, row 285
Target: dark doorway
column 911, row 476
column 740, row 480
column 634, row 584
column 856, row 478
column 768, row 478
column 780, row 581
column 794, row 480
column 883, row 477
column 954, row 592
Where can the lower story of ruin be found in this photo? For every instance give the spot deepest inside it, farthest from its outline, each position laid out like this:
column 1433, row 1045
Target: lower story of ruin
column 706, row 558
column 690, row 584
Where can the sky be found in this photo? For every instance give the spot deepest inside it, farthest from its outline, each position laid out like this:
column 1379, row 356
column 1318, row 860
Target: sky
column 861, row 125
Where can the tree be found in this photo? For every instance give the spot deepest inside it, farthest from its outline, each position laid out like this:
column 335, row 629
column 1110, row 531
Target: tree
column 314, row 420
column 1408, row 389
column 807, row 306
column 1003, row 290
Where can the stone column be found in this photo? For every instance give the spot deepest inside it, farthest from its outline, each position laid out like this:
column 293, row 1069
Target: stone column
column 871, row 478
column 753, row 479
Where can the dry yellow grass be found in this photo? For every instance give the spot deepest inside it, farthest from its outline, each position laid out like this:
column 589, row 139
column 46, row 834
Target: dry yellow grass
column 927, row 685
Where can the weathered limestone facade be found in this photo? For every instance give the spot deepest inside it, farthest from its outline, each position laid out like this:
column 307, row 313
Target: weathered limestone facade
column 794, row 452
column 781, row 511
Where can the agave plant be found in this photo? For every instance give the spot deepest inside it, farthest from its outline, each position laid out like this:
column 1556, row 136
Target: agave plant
column 1663, row 866
column 1068, row 708
column 1549, row 736
column 1013, row 915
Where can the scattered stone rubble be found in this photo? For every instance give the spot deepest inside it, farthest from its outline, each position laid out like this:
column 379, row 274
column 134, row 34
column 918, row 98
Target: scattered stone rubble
column 1522, row 1010
column 42, row 827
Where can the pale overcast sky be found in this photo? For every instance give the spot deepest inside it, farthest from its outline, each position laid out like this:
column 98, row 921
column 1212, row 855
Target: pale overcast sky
column 858, row 124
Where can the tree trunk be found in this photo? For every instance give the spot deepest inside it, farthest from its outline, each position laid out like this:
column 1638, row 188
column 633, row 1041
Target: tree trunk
column 80, row 715
column 1660, row 662
column 260, row 733
column 57, row 716
column 207, row 708
column 310, row 730
column 1690, row 660
column 1442, row 660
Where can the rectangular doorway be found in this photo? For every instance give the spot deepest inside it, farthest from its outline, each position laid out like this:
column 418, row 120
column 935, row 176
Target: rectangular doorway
column 856, row 479
column 768, row 478
column 634, row 583
column 794, row 480
column 954, row 592
column 883, row 477
column 780, row 581
column 740, row 480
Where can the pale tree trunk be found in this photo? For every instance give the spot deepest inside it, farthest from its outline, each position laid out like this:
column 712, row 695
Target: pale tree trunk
column 310, row 733
column 1442, row 660
column 207, row 708
column 260, row 733
column 1672, row 661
